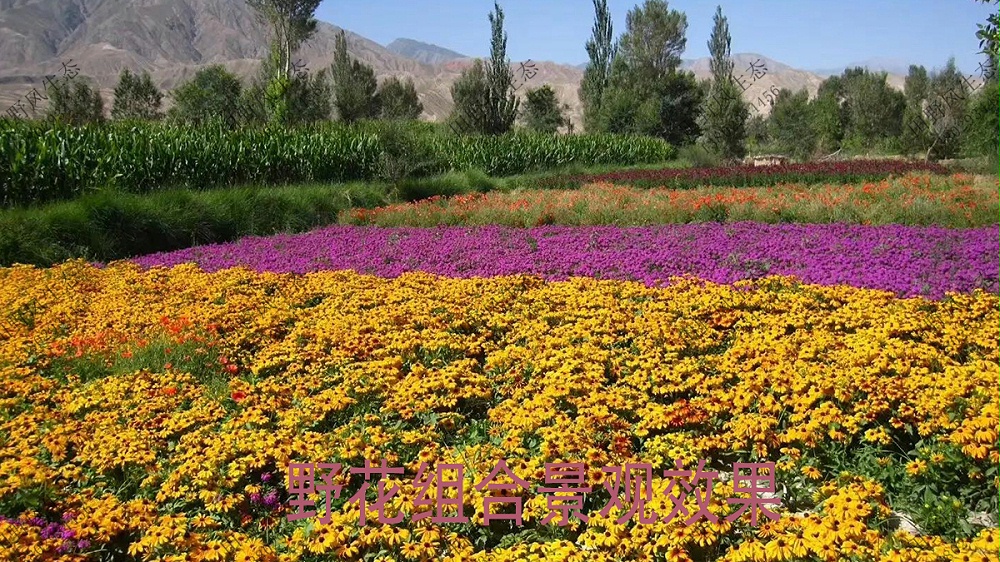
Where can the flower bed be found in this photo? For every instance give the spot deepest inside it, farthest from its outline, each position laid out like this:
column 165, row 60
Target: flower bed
column 164, row 428
column 749, row 175
column 907, row 260
column 956, row 201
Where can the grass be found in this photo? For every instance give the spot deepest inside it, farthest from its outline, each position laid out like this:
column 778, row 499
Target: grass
column 108, row 225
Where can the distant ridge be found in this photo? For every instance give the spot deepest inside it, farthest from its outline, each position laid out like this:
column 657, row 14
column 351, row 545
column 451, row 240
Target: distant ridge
column 423, row 52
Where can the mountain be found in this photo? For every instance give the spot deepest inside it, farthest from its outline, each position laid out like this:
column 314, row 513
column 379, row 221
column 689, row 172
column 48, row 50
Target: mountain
column 423, row 52
column 173, row 39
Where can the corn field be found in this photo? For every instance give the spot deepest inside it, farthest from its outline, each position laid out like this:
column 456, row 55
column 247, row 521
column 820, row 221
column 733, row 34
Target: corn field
column 43, row 162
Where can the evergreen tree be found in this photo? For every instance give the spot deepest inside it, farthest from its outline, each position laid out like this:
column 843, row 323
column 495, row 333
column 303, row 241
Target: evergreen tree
column 136, row 97
column 355, row 87
column 723, row 123
column 502, row 105
column 597, row 76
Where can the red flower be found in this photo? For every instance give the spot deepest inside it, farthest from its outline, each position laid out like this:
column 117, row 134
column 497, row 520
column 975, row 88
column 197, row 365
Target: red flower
column 170, row 391
column 232, row 368
column 238, row 395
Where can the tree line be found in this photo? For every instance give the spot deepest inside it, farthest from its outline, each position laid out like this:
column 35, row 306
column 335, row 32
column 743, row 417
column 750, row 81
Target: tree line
column 632, row 84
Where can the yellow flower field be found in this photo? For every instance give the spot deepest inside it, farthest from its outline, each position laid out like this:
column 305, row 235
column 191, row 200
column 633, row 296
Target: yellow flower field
column 145, row 414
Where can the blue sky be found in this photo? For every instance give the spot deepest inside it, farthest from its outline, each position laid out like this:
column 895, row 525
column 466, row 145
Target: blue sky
column 805, row 34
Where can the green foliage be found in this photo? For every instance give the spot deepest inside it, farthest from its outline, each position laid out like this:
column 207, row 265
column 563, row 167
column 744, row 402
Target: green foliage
column 916, row 134
column 653, row 41
column 76, row 102
column 596, row 77
column 982, row 123
column 109, row 226
column 542, row 112
column 680, row 100
column 292, row 23
column 502, row 104
column 827, row 120
column 208, row 97
column 947, row 100
column 399, row 99
column 61, row 162
column 136, row 97
column 470, row 93
column 989, row 39
column 42, row 163
column 403, row 153
column 355, row 88
column 698, row 156
column 723, row 123
column 858, row 110
column 758, row 133
column 790, row 124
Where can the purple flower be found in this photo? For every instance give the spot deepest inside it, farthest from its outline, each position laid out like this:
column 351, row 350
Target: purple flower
column 271, row 499
column 68, row 516
column 82, row 544
column 907, row 260
column 266, row 477
column 255, row 497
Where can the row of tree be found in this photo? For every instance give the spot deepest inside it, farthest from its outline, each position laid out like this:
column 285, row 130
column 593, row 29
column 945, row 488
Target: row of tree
column 631, row 85
column 348, row 90
column 634, row 84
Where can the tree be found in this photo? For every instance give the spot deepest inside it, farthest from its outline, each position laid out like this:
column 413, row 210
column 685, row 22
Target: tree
column 790, row 124
column 653, row 41
column 758, row 134
column 874, row 109
column 989, row 41
column 945, row 108
column 76, row 103
column 502, row 105
column 399, row 99
column 355, row 87
column 136, row 97
column 542, row 112
column 213, row 94
column 859, row 110
column 602, row 52
column 292, row 22
column 723, row 122
column 829, row 115
column 915, row 136
column 680, row 101
column 983, row 122
column 470, row 93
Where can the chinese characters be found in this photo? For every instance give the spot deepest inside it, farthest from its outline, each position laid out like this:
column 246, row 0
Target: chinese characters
column 756, row 71
column 630, row 489
column 19, row 110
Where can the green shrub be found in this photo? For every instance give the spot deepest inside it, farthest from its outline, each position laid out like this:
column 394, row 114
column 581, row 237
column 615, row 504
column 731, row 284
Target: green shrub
column 109, row 226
